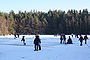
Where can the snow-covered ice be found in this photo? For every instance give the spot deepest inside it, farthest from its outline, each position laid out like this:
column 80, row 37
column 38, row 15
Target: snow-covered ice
column 13, row 49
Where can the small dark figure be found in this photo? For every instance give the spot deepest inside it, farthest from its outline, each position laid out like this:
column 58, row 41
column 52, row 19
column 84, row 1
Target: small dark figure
column 81, row 40
column 37, row 43
column 64, row 39
column 85, row 38
column 15, row 36
column 61, row 38
column 23, row 39
column 69, row 41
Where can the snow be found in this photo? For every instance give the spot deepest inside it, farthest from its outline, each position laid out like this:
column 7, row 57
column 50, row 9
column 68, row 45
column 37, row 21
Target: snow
column 13, row 49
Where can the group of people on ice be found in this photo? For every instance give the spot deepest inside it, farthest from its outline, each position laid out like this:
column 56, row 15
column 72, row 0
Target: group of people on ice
column 63, row 39
column 69, row 40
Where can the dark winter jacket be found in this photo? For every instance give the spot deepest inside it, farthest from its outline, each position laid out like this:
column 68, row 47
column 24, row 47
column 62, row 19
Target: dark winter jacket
column 23, row 39
column 61, row 38
column 64, row 37
column 37, row 41
column 81, row 39
column 69, row 41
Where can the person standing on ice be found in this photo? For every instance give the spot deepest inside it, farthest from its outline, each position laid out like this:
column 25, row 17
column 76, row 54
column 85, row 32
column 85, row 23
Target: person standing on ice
column 61, row 38
column 64, row 39
column 85, row 38
column 23, row 39
column 81, row 40
column 37, row 42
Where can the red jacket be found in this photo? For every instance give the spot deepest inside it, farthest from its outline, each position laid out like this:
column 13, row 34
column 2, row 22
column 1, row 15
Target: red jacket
column 85, row 37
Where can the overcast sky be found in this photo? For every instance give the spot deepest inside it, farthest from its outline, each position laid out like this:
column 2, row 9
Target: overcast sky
column 43, row 5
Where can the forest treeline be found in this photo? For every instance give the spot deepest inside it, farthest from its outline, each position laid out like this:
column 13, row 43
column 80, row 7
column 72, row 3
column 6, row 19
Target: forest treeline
column 51, row 22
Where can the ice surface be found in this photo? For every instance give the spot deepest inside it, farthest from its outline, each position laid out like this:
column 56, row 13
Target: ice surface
column 13, row 49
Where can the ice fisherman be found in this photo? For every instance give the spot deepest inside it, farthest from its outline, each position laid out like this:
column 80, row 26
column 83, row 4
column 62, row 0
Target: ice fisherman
column 69, row 41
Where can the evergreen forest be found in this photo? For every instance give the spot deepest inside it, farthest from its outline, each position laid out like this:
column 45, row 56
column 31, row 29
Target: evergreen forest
column 51, row 22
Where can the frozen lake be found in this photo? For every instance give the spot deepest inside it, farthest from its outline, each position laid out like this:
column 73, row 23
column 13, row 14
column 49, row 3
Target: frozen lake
column 13, row 49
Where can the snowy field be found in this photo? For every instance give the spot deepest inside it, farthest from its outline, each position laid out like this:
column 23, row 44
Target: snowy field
column 13, row 49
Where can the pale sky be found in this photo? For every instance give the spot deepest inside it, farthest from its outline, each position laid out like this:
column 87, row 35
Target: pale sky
column 43, row 5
